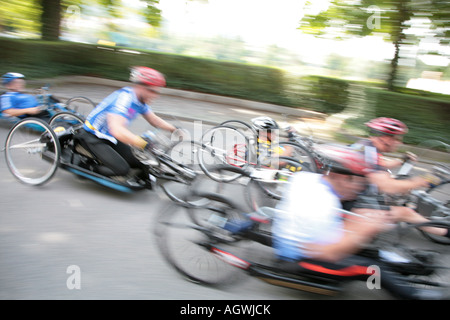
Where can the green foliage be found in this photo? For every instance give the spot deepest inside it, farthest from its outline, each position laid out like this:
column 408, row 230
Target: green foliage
column 49, row 59
column 427, row 114
column 427, row 118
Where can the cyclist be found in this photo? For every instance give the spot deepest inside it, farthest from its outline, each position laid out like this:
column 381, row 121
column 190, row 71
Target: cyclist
column 267, row 130
column 16, row 103
column 105, row 132
column 311, row 236
column 386, row 136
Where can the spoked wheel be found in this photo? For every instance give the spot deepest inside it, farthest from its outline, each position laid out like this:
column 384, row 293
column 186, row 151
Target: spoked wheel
column 32, row 151
column 441, row 193
column 80, row 105
column 273, row 179
column 184, row 156
column 224, row 145
column 186, row 247
column 244, row 127
column 301, row 154
column 65, row 120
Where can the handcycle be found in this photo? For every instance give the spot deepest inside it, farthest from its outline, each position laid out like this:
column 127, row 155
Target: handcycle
column 78, row 105
column 297, row 146
column 226, row 145
column 212, row 244
column 33, row 157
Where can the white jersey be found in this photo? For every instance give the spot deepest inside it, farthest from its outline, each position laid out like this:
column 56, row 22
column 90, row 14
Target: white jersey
column 309, row 214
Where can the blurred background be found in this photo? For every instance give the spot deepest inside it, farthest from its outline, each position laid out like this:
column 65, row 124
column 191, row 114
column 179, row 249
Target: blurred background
column 358, row 59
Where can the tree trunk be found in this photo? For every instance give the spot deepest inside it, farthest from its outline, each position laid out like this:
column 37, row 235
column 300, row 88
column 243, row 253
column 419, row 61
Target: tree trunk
column 398, row 36
column 394, row 65
column 50, row 19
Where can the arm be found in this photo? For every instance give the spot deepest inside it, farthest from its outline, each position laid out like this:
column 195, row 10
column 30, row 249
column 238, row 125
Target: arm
column 390, row 163
column 118, row 128
column 157, row 122
column 358, row 231
column 13, row 112
column 386, row 184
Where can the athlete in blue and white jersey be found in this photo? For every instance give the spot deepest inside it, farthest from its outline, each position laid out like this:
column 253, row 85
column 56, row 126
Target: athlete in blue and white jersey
column 15, row 103
column 123, row 102
column 106, row 132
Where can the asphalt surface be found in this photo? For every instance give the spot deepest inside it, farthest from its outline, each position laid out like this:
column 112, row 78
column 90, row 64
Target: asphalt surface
column 72, row 227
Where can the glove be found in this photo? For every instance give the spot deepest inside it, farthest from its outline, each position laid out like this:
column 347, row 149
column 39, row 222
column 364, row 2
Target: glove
column 432, row 179
column 144, row 143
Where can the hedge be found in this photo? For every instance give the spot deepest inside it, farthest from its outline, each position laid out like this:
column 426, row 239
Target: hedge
column 428, row 117
column 38, row 59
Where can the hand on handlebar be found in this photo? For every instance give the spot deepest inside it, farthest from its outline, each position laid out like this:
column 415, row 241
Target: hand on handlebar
column 409, row 156
column 180, row 134
column 432, row 179
column 36, row 110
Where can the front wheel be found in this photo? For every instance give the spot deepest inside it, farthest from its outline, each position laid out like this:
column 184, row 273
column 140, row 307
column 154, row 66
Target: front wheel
column 186, row 245
column 32, row 151
column 183, row 157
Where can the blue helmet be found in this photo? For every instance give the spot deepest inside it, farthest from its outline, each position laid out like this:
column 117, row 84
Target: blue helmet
column 10, row 76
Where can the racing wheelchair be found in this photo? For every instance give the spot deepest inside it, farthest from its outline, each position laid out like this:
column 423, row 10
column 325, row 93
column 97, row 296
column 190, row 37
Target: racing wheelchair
column 35, row 149
column 211, row 244
column 80, row 106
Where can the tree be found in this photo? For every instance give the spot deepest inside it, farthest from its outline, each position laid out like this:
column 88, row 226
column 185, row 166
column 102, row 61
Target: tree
column 391, row 18
column 52, row 11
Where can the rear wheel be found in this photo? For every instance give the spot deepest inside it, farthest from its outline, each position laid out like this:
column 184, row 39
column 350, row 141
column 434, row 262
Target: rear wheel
column 224, row 145
column 65, row 120
column 32, row 151
column 80, row 105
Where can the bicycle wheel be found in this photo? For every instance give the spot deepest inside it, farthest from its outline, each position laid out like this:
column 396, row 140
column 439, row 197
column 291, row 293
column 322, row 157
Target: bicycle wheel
column 32, row 151
column 273, row 179
column 224, row 145
column 80, row 105
column 441, row 193
column 244, row 127
column 65, row 120
column 301, row 154
column 184, row 156
column 184, row 245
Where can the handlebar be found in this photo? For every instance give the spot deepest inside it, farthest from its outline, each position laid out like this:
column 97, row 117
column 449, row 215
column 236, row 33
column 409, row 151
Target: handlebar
column 428, row 205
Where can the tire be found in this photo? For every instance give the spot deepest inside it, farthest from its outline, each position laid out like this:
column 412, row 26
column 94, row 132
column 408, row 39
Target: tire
column 275, row 187
column 66, row 120
column 80, row 105
column 32, row 151
column 184, row 245
column 224, row 145
column 185, row 155
column 442, row 193
column 300, row 154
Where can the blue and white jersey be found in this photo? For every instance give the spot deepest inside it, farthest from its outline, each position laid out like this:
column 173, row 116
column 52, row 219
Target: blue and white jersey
column 122, row 102
column 17, row 100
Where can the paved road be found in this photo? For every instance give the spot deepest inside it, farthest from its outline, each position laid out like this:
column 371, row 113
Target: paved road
column 49, row 233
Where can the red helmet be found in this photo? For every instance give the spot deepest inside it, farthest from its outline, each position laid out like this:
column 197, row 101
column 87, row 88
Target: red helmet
column 388, row 126
column 147, row 76
column 343, row 160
